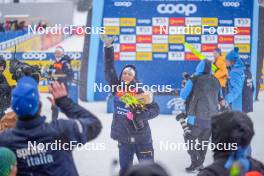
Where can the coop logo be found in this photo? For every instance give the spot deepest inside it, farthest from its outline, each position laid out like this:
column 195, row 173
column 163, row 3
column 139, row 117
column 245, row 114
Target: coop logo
column 123, row 4
column 231, row 4
column 183, row 9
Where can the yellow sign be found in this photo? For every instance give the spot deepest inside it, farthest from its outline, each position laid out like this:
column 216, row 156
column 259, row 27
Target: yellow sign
column 243, row 48
column 112, row 30
column 179, row 39
column 210, row 21
column 144, row 56
column 127, row 21
column 160, row 47
column 193, row 30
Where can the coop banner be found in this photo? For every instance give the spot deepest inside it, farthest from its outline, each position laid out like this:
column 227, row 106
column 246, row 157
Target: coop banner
column 151, row 34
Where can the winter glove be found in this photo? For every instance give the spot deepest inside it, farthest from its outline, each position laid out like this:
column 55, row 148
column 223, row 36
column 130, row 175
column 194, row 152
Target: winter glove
column 179, row 106
column 137, row 121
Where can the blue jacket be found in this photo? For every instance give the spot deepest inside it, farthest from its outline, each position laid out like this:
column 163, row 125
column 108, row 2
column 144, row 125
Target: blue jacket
column 80, row 128
column 235, row 84
column 122, row 129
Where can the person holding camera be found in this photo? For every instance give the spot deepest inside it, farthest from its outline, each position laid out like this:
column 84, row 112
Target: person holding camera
column 130, row 127
column 46, row 148
column 197, row 103
column 5, row 89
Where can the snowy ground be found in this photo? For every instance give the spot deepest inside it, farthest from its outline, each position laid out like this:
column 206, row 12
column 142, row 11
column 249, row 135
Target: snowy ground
column 97, row 161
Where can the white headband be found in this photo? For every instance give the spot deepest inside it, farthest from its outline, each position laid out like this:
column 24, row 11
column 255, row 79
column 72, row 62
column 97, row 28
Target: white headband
column 59, row 49
column 131, row 70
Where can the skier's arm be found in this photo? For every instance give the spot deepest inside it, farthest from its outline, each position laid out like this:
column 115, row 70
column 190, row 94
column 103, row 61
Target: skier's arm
column 85, row 126
column 150, row 111
column 185, row 92
column 110, row 72
column 235, row 87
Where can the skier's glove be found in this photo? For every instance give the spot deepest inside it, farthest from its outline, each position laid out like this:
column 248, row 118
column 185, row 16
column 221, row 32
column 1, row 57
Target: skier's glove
column 179, row 106
column 136, row 120
column 108, row 41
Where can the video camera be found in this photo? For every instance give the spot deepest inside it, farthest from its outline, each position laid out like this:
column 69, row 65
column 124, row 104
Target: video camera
column 19, row 69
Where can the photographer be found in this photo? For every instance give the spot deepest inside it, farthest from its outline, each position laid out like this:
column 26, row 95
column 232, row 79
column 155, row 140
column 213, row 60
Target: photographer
column 198, row 102
column 5, row 89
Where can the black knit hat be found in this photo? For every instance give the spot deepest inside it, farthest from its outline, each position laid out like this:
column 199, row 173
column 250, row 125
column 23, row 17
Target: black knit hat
column 129, row 66
column 232, row 127
column 146, row 169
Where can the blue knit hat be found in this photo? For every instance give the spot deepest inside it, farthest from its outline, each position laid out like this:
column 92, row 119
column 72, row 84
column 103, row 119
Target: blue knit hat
column 233, row 55
column 25, row 97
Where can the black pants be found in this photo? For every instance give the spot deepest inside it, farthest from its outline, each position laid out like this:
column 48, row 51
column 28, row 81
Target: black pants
column 126, row 154
column 224, row 91
column 196, row 151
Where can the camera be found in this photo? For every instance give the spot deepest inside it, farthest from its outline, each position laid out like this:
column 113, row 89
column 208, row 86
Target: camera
column 181, row 118
column 19, row 69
